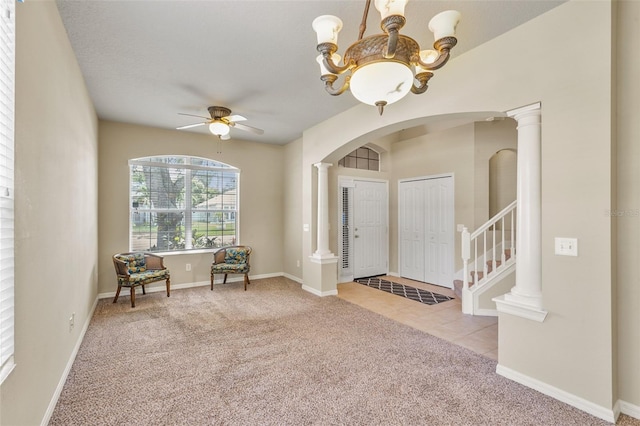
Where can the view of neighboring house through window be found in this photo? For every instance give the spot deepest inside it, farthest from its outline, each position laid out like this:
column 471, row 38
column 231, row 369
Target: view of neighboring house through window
column 182, row 203
column 362, row 158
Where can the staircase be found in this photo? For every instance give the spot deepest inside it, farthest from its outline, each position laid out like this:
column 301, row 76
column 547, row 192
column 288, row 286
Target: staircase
column 488, row 257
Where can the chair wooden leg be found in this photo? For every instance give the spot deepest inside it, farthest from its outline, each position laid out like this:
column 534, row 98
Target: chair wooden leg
column 168, row 287
column 143, row 290
column 246, row 281
column 133, row 297
column 117, row 293
column 225, row 279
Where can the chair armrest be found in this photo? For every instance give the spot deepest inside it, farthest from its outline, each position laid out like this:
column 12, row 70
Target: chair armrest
column 218, row 257
column 153, row 261
column 122, row 268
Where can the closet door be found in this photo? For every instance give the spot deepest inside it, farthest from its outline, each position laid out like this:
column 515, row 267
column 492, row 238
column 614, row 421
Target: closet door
column 426, row 231
column 412, row 238
column 439, row 236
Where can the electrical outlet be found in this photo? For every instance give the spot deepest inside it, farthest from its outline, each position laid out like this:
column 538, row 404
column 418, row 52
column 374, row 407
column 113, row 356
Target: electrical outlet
column 72, row 321
column 188, row 267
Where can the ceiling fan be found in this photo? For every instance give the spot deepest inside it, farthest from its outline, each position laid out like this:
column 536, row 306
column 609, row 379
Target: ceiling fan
column 221, row 122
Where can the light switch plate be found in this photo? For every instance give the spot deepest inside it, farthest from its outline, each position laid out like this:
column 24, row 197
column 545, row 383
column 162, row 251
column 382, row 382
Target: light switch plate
column 566, row 246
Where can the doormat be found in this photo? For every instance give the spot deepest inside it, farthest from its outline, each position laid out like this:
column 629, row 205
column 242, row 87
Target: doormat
column 417, row 294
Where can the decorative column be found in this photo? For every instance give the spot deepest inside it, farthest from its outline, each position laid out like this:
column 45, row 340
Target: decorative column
column 322, row 250
column 525, row 299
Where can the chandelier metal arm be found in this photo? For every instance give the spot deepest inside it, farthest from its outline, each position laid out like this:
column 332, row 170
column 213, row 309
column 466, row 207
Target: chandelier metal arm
column 423, row 78
column 329, row 79
column 392, row 25
column 327, row 50
column 443, row 46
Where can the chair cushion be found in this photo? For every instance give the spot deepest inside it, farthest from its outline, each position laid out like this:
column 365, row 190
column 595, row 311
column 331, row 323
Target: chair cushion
column 233, row 255
column 229, row 268
column 146, row 277
column 135, row 262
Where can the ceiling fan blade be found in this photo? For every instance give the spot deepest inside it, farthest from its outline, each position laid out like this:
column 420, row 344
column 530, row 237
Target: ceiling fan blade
column 236, row 118
column 248, row 128
column 191, row 115
column 188, row 126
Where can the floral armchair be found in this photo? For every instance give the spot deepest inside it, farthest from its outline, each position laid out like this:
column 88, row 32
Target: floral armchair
column 232, row 260
column 138, row 269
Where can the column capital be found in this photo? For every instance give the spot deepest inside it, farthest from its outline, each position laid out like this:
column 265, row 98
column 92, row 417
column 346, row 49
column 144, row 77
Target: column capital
column 529, row 110
column 322, row 165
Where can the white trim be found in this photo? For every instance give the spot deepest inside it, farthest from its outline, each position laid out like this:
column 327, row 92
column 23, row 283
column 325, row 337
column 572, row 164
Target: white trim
column 292, row 277
column 324, row 259
column 559, row 394
column 318, row 292
column 67, row 369
column 162, row 287
column 518, row 309
column 623, row 407
column 533, row 107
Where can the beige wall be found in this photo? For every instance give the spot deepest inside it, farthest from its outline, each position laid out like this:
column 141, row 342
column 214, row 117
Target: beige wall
column 56, row 231
column 292, row 215
column 628, row 233
column 261, row 196
column 573, row 349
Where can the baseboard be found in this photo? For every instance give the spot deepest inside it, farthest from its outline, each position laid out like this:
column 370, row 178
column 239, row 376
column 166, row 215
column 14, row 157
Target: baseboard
column 318, row 292
column 67, row 369
column 161, row 287
column 486, row 312
column 393, row 274
column 628, row 409
column 292, row 277
column 596, row 410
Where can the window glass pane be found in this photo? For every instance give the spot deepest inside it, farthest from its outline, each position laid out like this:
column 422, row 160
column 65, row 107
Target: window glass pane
column 374, row 165
column 373, row 155
column 351, row 162
column 163, row 218
column 362, row 163
column 362, row 153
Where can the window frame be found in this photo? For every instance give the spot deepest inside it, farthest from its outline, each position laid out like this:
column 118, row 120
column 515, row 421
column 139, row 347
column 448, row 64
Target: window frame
column 7, row 188
column 188, row 210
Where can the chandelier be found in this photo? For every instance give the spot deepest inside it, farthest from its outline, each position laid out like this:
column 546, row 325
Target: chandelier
column 381, row 69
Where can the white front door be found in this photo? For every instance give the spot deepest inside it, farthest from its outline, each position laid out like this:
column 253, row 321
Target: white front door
column 370, row 238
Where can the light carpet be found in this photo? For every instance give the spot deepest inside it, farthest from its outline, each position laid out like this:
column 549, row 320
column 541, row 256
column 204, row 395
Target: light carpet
column 277, row 355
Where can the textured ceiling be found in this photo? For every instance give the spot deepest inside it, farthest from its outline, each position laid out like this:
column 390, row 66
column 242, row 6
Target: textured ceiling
column 146, row 61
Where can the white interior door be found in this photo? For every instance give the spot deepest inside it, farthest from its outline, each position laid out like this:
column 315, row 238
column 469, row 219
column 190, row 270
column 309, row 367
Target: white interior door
column 370, row 236
column 439, row 236
column 411, row 215
column 426, row 216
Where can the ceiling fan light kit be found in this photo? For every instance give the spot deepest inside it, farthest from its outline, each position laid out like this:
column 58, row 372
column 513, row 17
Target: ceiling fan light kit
column 381, row 69
column 221, row 122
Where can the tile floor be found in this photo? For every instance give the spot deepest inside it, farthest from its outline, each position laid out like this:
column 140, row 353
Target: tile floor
column 444, row 320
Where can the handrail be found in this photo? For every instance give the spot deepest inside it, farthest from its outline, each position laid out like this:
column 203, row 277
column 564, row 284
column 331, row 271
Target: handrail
column 491, row 221
column 494, row 248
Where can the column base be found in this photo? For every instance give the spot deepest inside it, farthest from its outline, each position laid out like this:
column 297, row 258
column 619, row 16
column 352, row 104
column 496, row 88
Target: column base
column 520, row 307
column 322, row 277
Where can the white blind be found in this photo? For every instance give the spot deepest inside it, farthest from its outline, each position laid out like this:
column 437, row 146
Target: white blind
column 7, row 101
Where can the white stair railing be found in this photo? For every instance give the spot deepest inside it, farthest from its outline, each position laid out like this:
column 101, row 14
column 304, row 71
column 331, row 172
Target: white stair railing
column 490, row 247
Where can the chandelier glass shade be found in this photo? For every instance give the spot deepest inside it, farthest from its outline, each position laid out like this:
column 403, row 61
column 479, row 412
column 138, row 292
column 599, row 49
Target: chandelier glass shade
column 381, row 69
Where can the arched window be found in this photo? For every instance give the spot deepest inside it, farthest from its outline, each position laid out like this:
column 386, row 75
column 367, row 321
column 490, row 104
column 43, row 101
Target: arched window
column 181, row 203
column 362, row 158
